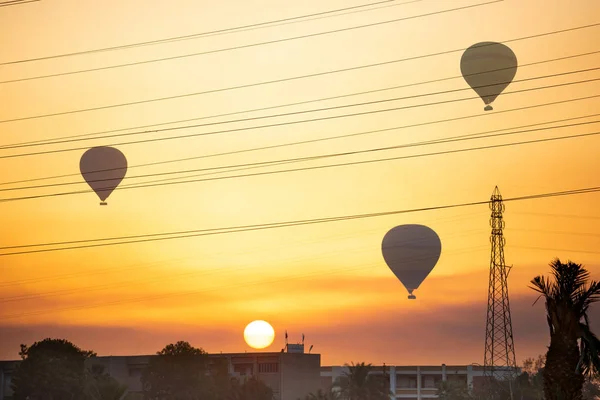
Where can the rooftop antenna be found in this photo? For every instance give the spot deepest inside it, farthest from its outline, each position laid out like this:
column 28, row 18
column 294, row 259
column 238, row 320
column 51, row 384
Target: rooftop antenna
column 309, row 350
column 286, row 340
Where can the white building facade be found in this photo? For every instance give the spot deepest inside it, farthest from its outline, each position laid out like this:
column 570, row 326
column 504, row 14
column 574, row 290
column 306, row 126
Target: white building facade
column 413, row 382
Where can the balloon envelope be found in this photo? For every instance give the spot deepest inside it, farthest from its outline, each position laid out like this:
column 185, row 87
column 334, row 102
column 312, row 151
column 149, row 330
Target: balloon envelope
column 103, row 168
column 411, row 252
column 489, row 68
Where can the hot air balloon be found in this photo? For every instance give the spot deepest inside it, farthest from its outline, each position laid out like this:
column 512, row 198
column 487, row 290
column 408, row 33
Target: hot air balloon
column 103, row 168
column 411, row 252
column 488, row 67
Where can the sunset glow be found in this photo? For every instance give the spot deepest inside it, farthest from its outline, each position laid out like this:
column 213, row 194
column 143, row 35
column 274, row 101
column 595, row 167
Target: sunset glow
column 219, row 127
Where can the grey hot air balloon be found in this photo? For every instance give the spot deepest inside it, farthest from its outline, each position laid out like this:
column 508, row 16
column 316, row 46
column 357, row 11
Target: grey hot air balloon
column 411, row 252
column 103, row 168
column 489, row 68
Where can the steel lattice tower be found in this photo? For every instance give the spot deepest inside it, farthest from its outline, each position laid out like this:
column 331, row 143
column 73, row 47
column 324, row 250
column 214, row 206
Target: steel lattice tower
column 499, row 359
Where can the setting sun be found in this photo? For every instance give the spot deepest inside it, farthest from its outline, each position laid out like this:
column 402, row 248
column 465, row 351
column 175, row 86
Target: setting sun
column 259, row 334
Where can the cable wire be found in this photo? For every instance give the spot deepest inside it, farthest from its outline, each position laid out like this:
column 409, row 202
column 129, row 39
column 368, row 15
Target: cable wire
column 165, row 98
column 287, row 123
column 475, row 136
column 252, row 45
column 16, row 3
column 205, row 34
column 584, row 234
column 135, row 267
column 558, row 250
column 588, row 217
column 140, row 186
column 171, row 276
column 332, row 138
column 176, row 294
column 415, row 96
column 192, row 292
column 435, row 141
column 246, row 228
column 147, row 185
column 45, row 141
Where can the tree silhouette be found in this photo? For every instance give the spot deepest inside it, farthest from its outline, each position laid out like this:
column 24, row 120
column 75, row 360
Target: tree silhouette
column 52, row 369
column 179, row 372
column 568, row 298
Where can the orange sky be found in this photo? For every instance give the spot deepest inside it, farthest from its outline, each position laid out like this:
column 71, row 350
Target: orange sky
column 328, row 281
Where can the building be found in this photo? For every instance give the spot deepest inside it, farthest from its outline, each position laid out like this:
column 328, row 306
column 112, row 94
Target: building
column 412, row 382
column 291, row 375
column 6, row 368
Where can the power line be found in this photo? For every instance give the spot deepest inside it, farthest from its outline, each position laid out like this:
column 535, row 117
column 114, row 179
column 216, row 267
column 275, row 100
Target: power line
column 139, row 186
column 165, row 98
column 584, row 234
column 288, row 123
column 17, row 2
column 437, row 141
column 132, row 267
column 246, row 228
column 306, row 168
column 144, row 236
column 204, row 34
column 138, row 266
column 558, row 250
column 253, row 44
column 46, row 141
column 177, row 294
column 170, row 276
column 292, row 113
column 594, row 217
column 146, row 185
column 340, row 137
column 192, row 292
column 479, row 135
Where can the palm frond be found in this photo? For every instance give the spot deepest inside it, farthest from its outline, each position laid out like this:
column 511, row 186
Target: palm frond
column 569, row 278
column 587, row 296
column 540, row 286
column 590, row 352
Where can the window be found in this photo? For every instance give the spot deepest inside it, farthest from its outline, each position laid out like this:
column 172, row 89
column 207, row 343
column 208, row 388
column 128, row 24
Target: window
column 243, row 369
column 268, row 368
column 402, row 381
column 135, row 372
column 429, row 381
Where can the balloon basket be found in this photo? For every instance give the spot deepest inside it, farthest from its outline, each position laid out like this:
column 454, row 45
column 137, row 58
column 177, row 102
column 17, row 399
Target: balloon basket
column 103, row 203
column 412, row 297
column 488, row 108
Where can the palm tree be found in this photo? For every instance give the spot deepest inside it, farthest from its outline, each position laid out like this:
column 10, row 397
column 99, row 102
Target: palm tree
column 568, row 299
column 358, row 384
